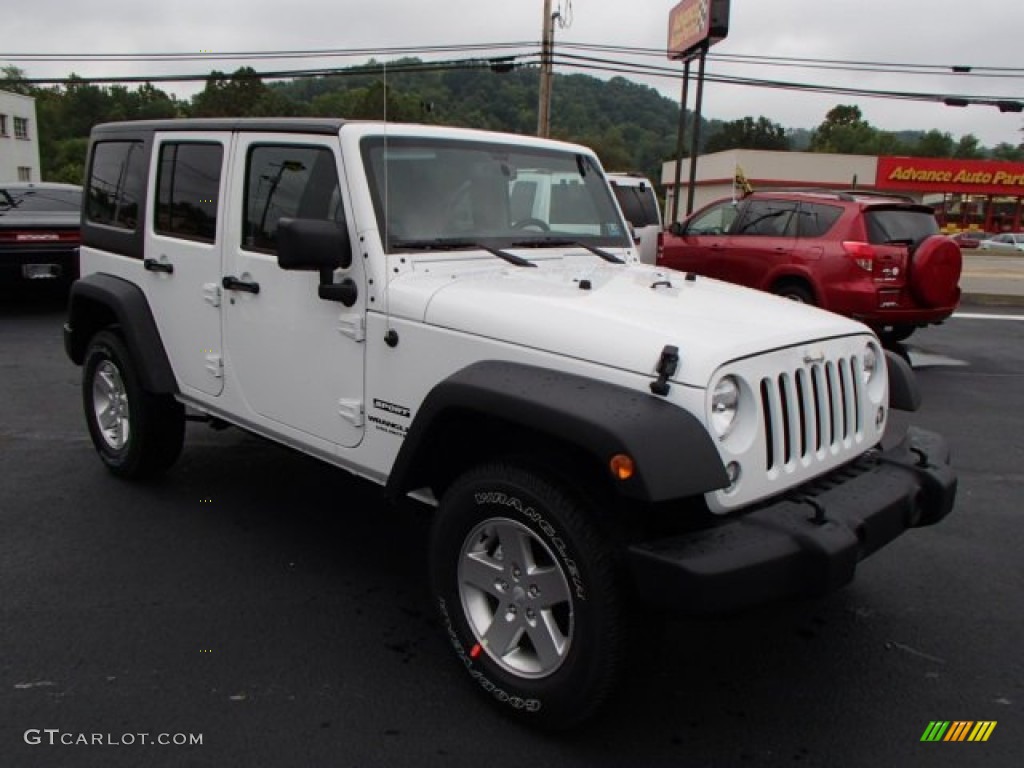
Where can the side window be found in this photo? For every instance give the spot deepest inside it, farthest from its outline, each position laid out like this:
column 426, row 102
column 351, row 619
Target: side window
column 714, row 221
column 188, row 184
column 816, row 219
column 288, row 182
column 116, row 184
column 768, row 218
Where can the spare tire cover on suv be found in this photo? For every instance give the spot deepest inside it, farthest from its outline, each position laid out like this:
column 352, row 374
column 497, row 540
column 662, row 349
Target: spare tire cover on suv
column 935, row 275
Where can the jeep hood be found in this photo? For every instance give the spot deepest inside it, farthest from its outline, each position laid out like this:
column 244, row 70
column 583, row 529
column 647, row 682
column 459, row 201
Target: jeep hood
column 624, row 319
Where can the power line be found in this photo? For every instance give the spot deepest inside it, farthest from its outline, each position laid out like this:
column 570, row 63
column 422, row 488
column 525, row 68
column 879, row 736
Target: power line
column 519, row 60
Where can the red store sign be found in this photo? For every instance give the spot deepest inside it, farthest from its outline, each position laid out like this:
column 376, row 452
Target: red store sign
column 925, row 174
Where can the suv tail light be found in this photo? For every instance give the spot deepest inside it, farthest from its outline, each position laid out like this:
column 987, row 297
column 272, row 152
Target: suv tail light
column 863, row 254
column 661, row 248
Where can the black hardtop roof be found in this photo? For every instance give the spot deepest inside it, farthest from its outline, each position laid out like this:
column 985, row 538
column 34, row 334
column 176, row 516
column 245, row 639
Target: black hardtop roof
column 318, row 125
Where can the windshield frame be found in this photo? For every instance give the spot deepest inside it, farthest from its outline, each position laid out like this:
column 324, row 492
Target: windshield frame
column 438, row 202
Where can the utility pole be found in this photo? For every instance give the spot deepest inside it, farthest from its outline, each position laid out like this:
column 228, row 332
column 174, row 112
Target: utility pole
column 547, row 45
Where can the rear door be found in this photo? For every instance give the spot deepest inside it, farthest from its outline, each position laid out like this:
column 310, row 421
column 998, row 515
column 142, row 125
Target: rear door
column 895, row 231
column 763, row 238
column 184, row 239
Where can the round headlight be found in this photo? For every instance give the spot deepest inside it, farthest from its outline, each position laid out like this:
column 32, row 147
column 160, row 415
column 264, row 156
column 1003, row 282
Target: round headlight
column 870, row 363
column 725, row 400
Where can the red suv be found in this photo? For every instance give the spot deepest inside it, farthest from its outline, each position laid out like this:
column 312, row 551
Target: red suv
column 879, row 259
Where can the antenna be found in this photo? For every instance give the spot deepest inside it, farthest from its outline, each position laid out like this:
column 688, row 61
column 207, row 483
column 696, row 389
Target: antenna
column 390, row 337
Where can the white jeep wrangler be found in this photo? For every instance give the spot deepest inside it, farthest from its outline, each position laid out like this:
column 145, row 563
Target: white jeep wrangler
column 461, row 316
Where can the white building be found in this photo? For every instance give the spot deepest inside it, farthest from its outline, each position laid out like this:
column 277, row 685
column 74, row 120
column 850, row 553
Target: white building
column 19, row 138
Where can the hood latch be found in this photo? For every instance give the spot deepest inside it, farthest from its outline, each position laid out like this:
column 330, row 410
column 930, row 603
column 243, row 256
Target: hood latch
column 667, row 365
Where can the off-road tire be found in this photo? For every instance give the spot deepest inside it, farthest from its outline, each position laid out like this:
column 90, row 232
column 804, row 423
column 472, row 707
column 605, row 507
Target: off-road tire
column 505, row 524
column 137, row 434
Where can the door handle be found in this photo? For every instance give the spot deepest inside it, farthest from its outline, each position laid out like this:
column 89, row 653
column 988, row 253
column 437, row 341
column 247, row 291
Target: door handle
column 232, row 283
column 158, row 266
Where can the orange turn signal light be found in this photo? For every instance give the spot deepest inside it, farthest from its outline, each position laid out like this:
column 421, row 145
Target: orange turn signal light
column 622, row 466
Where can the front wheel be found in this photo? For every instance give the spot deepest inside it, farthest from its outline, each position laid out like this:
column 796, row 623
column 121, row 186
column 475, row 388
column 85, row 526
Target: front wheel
column 527, row 593
column 137, row 434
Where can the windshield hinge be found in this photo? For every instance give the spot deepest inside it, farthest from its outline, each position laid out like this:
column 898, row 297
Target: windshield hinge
column 353, row 326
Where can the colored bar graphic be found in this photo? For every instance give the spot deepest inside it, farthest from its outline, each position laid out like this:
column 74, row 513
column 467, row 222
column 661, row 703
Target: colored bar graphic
column 958, row 730
column 982, row 730
column 935, row 731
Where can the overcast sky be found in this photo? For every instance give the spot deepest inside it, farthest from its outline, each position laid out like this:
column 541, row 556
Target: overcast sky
column 979, row 33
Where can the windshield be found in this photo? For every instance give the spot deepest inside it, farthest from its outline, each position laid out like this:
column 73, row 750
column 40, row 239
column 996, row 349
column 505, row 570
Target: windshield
column 439, row 193
column 40, row 199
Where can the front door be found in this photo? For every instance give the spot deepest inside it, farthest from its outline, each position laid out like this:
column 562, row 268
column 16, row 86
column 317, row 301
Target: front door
column 295, row 359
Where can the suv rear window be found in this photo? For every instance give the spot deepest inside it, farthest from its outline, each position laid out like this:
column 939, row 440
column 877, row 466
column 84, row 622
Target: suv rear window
column 886, row 225
column 638, row 204
column 40, row 199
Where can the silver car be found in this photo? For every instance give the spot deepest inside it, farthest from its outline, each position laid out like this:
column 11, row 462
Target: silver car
column 1005, row 242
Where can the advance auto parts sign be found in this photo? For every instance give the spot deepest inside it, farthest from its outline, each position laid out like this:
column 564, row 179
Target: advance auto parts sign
column 691, row 22
column 924, row 174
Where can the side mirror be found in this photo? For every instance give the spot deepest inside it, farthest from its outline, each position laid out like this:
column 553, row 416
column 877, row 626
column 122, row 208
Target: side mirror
column 312, row 245
column 316, row 245
column 677, row 228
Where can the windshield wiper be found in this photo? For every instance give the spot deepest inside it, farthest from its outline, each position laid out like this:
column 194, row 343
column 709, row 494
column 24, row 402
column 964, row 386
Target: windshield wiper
column 564, row 242
column 450, row 244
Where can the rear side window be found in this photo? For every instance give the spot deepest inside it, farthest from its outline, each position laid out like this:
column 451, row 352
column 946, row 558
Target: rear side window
column 638, row 204
column 816, row 219
column 288, row 182
column 188, row 186
column 116, row 184
column 888, row 225
column 768, row 218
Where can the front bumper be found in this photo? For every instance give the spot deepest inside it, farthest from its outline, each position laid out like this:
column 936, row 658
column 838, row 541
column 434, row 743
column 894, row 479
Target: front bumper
column 807, row 543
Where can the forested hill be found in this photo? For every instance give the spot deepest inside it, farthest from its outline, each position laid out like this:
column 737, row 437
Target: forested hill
column 631, row 126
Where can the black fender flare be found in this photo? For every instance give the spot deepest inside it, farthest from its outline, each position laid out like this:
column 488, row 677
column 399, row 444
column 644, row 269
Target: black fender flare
column 903, row 392
column 673, row 453
column 99, row 299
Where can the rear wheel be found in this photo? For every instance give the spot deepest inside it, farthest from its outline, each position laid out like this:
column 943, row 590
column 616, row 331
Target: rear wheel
column 794, row 292
column 137, row 434
column 527, row 594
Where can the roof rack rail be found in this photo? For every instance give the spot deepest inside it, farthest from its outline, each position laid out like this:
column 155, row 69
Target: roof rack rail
column 846, row 195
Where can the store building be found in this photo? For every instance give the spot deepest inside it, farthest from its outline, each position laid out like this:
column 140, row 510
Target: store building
column 19, row 138
column 966, row 194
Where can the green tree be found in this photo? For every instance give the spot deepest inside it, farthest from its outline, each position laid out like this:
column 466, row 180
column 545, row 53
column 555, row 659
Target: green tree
column 239, row 95
column 845, row 131
column 934, row 144
column 1006, row 151
column 748, row 133
column 968, row 148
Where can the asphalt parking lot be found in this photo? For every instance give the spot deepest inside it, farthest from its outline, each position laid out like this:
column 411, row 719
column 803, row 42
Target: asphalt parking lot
column 277, row 608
